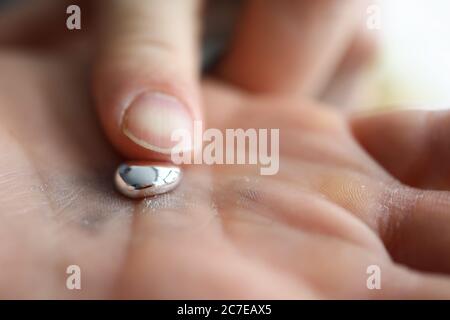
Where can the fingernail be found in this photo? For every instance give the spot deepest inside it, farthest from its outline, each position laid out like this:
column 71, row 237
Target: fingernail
column 151, row 119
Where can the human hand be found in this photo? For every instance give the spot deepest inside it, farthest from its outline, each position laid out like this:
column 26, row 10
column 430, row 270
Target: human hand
column 310, row 231
column 139, row 47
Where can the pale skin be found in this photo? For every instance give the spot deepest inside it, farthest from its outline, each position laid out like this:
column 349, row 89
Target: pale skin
column 351, row 192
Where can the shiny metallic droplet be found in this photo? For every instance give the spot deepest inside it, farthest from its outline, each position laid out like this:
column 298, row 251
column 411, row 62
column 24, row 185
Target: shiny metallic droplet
column 143, row 179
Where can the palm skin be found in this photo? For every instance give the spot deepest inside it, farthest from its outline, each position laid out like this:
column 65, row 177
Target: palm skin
column 310, row 231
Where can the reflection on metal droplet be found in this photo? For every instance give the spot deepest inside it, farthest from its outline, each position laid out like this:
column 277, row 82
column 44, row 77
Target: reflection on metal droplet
column 140, row 179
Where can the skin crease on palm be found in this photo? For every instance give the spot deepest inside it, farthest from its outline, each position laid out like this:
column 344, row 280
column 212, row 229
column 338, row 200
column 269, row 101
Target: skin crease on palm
column 227, row 232
column 350, row 193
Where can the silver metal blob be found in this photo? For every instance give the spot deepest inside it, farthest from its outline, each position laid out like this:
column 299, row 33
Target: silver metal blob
column 139, row 179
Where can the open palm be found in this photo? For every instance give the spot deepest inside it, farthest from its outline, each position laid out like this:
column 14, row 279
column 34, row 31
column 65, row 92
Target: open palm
column 311, row 231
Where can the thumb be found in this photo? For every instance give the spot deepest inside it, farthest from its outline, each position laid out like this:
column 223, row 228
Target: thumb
column 146, row 78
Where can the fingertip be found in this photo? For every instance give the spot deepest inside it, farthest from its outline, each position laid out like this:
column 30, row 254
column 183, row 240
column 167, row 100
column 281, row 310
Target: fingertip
column 146, row 75
column 140, row 120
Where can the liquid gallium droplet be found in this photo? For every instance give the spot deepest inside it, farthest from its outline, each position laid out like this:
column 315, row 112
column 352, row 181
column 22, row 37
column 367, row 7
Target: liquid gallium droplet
column 143, row 179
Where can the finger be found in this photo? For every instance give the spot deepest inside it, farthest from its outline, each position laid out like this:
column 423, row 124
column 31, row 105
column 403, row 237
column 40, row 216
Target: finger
column 349, row 88
column 146, row 73
column 290, row 45
column 418, row 231
column 412, row 145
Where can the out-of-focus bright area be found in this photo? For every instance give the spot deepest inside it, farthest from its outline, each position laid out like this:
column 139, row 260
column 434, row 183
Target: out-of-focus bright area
column 413, row 65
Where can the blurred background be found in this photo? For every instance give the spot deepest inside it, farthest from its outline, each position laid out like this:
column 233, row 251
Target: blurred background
column 412, row 66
